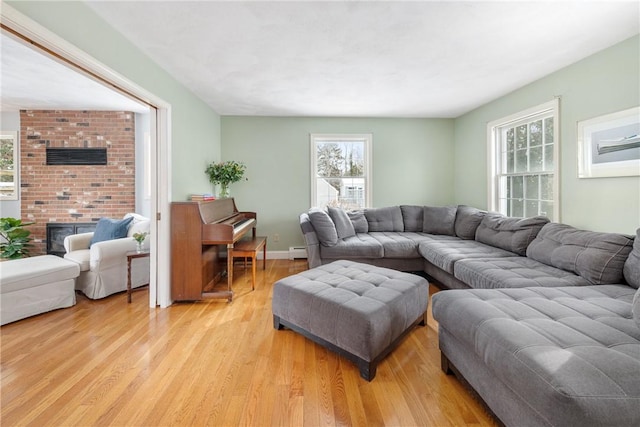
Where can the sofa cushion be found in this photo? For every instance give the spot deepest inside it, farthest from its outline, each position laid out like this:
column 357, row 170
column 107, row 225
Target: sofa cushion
column 399, row 245
column 344, row 226
column 467, row 221
column 362, row 245
column 324, row 226
column 384, row 219
column 635, row 308
column 510, row 234
column 359, row 221
column 439, row 220
column 631, row 269
column 513, row 272
column 412, row 217
column 572, row 353
column 445, row 251
column 109, row 229
column 598, row 257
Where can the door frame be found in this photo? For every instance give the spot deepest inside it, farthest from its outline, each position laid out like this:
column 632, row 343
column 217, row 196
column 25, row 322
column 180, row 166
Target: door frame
column 23, row 28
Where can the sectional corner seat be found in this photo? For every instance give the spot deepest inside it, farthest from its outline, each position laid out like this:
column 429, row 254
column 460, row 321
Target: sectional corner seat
column 538, row 317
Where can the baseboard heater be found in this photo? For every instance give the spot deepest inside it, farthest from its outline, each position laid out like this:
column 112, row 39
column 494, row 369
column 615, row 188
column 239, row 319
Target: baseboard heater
column 297, row 252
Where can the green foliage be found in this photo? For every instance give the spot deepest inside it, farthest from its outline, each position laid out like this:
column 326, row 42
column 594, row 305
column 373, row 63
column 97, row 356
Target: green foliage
column 16, row 238
column 225, row 172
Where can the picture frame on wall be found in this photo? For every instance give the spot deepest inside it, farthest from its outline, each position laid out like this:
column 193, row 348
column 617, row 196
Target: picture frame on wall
column 609, row 145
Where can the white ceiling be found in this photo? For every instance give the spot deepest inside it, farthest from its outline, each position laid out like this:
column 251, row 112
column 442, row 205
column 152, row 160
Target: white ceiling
column 363, row 58
column 30, row 80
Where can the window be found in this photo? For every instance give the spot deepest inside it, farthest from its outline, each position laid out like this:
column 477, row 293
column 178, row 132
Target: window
column 523, row 163
column 9, row 166
column 341, row 170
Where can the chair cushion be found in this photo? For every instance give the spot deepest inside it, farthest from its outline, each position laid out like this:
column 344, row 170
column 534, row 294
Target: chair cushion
column 598, row 257
column 384, row 219
column 140, row 224
column 510, row 234
column 631, row 269
column 344, row 226
column 439, row 220
column 109, row 229
column 82, row 257
column 324, row 226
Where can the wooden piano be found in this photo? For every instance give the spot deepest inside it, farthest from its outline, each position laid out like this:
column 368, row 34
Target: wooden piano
column 200, row 232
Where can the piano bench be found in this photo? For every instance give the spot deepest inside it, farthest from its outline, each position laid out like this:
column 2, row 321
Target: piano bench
column 249, row 248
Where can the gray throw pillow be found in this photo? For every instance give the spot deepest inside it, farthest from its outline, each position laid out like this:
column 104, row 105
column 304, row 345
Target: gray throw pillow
column 439, row 220
column 467, row 221
column 359, row 221
column 412, row 217
column 598, row 257
column 508, row 233
column 384, row 219
column 632, row 264
column 110, row 229
column 324, row 226
column 344, row 226
column 635, row 307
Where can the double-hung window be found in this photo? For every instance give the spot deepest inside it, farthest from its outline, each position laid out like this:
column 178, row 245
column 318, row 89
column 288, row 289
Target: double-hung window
column 523, row 163
column 341, row 170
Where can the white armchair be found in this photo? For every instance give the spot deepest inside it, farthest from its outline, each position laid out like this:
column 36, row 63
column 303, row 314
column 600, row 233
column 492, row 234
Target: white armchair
column 103, row 266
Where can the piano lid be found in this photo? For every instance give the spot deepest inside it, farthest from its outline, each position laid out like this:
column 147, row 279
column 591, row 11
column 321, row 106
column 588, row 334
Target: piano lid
column 216, row 210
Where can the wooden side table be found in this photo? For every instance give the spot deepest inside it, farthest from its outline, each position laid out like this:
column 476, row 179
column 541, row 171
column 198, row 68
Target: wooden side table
column 131, row 256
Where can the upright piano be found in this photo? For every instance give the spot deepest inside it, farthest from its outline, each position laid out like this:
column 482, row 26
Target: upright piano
column 201, row 233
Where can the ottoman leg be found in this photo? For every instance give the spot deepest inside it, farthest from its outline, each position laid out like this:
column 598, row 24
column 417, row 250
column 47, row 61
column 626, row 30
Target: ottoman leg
column 276, row 322
column 367, row 369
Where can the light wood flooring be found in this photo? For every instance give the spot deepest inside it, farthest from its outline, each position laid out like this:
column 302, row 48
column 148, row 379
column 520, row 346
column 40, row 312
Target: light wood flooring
column 107, row 362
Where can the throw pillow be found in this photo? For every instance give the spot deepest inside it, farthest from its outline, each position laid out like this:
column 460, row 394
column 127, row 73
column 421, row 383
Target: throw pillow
column 359, row 221
column 324, row 226
column 439, row 220
column 632, row 264
column 467, row 221
column 344, row 226
column 413, row 217
column 109, row 229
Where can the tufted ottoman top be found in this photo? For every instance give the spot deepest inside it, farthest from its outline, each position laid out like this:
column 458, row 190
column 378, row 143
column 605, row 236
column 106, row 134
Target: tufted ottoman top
column 358, row 307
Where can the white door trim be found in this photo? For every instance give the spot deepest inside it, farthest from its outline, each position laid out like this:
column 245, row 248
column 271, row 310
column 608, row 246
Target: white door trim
column 25, row 28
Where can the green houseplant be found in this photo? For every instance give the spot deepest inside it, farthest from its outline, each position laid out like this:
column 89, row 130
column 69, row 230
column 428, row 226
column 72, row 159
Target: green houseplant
column 15, row 237
column 225, row 173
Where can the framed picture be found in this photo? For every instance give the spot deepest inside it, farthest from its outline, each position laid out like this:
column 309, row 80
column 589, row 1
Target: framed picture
column 9, row 165
column 609, row 145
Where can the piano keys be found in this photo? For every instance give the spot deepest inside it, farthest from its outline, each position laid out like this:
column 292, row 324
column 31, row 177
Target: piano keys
column 202, row 233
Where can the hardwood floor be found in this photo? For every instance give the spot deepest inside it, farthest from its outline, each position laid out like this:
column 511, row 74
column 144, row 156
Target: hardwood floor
column 107, row 362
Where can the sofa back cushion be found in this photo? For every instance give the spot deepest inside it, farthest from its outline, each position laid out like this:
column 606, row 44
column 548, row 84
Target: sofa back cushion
column 631, row 268
column 359, row 221
column 510, row 234
column 467, row 221
column 324, row 226
column 384, row 219
column 635, row 308
column 598, row 257
column 412, row 217
column 439, row 220
column 344, row 226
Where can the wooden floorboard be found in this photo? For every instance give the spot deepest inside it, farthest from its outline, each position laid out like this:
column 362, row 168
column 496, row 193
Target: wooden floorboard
column 109, row 363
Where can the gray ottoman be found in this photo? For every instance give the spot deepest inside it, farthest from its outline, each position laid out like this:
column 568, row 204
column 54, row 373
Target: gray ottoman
column 356, row 310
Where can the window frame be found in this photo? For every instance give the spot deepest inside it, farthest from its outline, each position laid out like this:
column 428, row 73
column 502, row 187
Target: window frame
column 494, row 152
column 367, row 138
column 13, row 135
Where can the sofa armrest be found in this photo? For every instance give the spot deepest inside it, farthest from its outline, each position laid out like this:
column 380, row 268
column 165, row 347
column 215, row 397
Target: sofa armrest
column 76, row 242
column 311, row 240
column 110, row 252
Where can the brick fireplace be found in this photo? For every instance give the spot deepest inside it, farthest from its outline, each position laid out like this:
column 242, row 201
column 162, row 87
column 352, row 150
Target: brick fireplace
column 75, row 193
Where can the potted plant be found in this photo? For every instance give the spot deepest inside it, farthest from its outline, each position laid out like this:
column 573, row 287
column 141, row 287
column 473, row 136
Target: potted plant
column 15, row 238
column 225, row 173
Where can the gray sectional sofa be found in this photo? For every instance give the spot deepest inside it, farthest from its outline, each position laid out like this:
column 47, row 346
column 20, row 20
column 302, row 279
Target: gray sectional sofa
column 541, row 319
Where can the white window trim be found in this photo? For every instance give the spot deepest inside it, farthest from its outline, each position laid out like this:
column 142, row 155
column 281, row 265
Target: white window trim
column 493, row 155
column 14, row 135
column 367, row 137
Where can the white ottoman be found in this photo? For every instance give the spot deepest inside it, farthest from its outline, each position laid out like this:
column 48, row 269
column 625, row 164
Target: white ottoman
column 30, row 286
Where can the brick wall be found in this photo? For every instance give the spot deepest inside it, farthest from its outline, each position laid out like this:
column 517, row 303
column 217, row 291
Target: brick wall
column 71, row 193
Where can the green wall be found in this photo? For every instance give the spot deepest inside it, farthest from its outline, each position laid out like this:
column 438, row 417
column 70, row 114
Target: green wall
column 195, row 127
column 603, row 83
column 411, row 165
